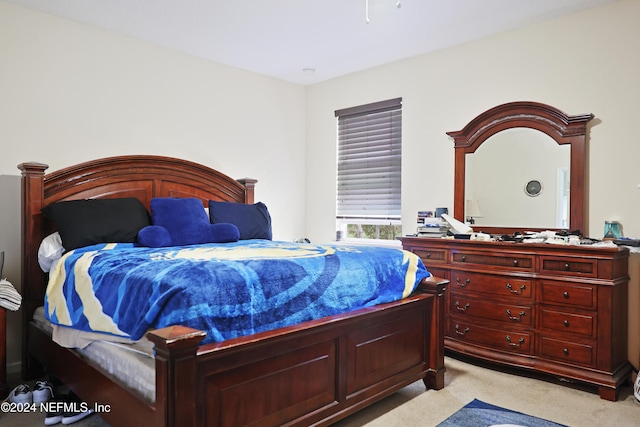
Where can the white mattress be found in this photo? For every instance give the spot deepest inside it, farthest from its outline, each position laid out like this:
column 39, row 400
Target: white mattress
column 133, row 365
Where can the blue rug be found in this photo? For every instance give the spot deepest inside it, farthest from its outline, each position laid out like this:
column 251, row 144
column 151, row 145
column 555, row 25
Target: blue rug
column 480, row 414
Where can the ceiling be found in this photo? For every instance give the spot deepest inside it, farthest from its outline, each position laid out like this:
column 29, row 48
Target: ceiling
column 308, row 41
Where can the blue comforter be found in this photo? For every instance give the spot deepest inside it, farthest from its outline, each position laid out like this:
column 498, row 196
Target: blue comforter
column 227, row 290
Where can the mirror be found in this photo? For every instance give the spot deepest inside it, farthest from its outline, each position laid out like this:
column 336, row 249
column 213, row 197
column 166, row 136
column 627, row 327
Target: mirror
column 536, row 192
column 521, row 166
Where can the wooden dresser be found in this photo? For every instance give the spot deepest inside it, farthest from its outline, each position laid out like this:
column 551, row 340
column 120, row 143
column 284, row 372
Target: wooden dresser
column 554, row 309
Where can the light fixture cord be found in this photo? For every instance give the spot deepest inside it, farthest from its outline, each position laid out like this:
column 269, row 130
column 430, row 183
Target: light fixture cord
column 366, row 9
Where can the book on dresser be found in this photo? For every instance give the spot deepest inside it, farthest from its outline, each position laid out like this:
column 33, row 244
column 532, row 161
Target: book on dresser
column 556, row 309
column 432, row 227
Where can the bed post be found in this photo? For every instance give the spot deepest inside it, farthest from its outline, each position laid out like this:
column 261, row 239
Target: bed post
column 33, row 280
column 437, row 287
column 175, row 348
column 249, row 185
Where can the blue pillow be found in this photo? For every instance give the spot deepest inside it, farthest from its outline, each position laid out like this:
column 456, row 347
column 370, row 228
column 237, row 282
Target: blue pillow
column 253, row 221
column 183, row 221
column 154, row 236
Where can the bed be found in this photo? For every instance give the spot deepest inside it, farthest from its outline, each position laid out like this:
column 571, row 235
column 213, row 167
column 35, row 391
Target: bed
column 311, row 373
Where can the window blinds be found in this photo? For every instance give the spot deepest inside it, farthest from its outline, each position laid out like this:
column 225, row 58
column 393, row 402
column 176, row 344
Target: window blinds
column 369, row 160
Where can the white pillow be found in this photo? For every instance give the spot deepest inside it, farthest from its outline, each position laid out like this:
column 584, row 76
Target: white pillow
column 50, row 250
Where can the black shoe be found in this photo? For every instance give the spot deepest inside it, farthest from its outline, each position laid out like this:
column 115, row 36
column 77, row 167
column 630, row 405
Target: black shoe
column 75, row 410
column 55, row 417
column 69, row 409
column 76, row 415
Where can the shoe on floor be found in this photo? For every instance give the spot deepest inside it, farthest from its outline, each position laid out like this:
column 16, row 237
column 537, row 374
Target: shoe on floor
column 72, row 410
column 53, row 417
column 77, row 415
column 20, row 394
column 58, row 406
column 42, row 392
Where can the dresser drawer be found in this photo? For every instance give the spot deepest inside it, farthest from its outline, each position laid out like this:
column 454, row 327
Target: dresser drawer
column 438, row 272
column 477, row 308
column 506, row 261
column 493, row 284
column 568, row 294
column 568, row 266
column 569, row 352
column 432, row 256
column 500, row 339
column 575, row 323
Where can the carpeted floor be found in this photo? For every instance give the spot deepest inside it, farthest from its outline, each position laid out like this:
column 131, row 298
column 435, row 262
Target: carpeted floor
column 464, row 382
column 561, row 403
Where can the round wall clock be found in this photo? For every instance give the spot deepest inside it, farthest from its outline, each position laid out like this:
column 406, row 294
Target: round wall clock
column 533, row 188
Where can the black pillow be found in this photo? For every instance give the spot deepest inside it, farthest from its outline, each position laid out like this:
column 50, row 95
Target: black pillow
column 92, row 221
column 253, row 221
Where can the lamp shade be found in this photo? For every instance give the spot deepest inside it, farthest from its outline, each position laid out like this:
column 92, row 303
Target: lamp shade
column 473, row 210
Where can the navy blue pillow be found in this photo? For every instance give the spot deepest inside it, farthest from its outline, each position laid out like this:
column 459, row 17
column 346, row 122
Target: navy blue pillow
column 183, row 221
column 154, row 236
column 253, row 221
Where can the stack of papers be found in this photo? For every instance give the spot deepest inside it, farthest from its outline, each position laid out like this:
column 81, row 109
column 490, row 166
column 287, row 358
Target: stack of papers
column 9, row 297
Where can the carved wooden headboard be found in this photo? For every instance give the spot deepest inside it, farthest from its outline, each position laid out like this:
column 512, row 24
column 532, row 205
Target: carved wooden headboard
column 142, row 177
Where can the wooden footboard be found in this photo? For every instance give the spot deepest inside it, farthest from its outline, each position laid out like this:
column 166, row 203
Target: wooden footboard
column 311, row 374
column 315, row 373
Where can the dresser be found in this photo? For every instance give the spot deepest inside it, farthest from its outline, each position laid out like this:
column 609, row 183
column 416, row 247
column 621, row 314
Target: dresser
column 553, row 309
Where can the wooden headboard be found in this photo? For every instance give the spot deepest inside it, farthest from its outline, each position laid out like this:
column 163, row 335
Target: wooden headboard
column 143, row 177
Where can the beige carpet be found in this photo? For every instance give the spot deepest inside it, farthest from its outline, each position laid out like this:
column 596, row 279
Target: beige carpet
column 413, row 406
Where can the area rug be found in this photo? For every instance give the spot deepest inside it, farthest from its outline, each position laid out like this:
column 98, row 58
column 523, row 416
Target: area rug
column 480, row 414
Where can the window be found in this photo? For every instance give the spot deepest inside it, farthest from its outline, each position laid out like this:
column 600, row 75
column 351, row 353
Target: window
column 369, row 170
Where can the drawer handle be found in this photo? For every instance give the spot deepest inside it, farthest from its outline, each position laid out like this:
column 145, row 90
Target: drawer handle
column 428, row 255
column 467, row 305
column 566, row 323
column 565, row 295
column 515, row 318
column 565, row 351
column 459, row 332
column 515, row 344
column 567, row 267
column 516, row 291
column 464, row 258
column 515, row 262
column 466, row 282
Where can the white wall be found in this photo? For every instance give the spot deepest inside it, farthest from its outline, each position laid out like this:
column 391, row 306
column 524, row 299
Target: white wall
column 70, row 93
column 588, row 62
column 584, row 63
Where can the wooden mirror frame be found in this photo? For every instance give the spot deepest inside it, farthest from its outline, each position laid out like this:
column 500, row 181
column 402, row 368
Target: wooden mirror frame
column 562, row 128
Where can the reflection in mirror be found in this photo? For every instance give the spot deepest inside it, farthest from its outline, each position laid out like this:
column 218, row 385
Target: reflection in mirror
column 498, row 172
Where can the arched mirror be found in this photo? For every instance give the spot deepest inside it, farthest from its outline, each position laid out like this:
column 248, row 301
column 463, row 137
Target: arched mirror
column 521, row 166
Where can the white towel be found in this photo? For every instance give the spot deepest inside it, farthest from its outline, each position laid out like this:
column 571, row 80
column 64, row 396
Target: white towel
column 9, row 296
